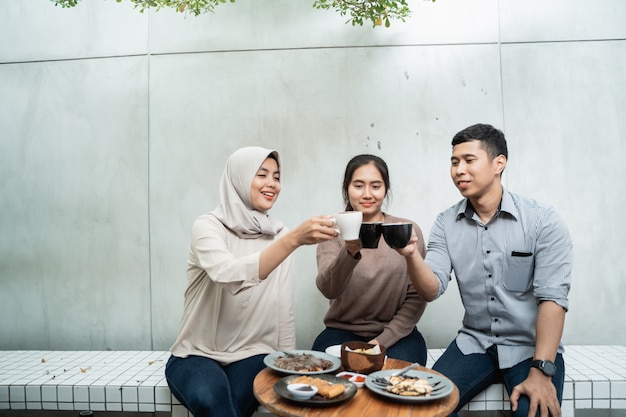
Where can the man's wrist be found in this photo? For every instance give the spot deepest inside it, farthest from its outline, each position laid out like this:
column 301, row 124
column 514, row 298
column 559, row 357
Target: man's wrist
column 547, row 367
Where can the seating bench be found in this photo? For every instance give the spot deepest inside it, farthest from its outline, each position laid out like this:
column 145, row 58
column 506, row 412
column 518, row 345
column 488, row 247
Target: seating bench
column 595, row 378
column 133, row 381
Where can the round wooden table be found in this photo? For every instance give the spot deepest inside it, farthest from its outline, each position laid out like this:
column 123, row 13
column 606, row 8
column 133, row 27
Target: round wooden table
column 364, row 404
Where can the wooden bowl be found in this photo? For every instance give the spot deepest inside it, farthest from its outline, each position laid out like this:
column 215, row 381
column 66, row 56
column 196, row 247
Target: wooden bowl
column 361, row 362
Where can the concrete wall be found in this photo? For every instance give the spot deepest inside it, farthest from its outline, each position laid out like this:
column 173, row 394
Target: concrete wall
column 115, row 125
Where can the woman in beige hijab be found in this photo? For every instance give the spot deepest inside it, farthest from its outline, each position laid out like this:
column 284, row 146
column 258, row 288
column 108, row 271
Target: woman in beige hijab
column 239, row 303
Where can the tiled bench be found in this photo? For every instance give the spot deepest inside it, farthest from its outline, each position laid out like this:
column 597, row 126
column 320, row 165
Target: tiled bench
column 133, row 381
column 595, row 377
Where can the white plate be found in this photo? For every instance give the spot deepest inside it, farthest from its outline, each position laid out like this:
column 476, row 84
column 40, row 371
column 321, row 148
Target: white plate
column 442, row 386
column 336, row 362
column 334, row 350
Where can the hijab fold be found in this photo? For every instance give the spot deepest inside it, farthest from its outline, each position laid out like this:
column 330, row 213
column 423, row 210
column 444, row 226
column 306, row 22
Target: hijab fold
column 235, row 209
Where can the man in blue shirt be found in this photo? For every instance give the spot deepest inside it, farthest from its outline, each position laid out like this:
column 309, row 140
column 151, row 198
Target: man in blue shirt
column 512, row 260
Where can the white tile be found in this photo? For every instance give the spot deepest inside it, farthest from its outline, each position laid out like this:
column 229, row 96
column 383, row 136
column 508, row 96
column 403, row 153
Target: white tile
column 4, row 394
column 97, row 394
column 578, row 403
column 619, row 404
column 601, row 390
column 163, row 407
column 146, row 395
column 113, row 394
column 79, row 405
column 163, row 395
column 494, row 392
column 33, row 405
column 49, row 393
column 568, row 390
column 33, row 393
column 582, row 390
column 129, row 395
column 17, row 393
column 65, row 393
column 494, row 405
column 130, row 407
column 147, row 407
column 601, row 404
column 81, row 393
column 567, row 408
column 477, row 405
column 50, row 405
column 97, row 406
column 618, row 390
column 65, row 406
column 113, row 406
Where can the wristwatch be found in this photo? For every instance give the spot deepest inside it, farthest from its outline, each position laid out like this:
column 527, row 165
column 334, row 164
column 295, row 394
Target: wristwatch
column 547, row 367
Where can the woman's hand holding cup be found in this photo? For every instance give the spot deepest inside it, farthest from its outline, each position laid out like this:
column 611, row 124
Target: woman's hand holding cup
column 349, row 224
column 315, row 230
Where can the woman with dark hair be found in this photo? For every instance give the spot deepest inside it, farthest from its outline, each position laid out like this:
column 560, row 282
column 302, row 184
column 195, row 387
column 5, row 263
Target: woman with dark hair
column 239, row 301
column 370, row 291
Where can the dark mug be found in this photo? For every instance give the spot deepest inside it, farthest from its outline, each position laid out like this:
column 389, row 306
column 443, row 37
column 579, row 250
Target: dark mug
column 369, row 235
column 397, row 235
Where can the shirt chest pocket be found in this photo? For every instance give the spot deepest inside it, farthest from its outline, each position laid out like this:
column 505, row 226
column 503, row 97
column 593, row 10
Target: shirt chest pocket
column 518, row 272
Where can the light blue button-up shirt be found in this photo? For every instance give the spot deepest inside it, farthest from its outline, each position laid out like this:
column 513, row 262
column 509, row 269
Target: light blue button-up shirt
column 504, row 268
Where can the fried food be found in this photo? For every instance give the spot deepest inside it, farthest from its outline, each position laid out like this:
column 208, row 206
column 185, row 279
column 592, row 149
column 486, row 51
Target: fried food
column 324, row 388
column 408, row 386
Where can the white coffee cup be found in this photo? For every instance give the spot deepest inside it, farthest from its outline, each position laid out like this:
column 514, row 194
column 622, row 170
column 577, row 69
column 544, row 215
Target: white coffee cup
column 348, row 224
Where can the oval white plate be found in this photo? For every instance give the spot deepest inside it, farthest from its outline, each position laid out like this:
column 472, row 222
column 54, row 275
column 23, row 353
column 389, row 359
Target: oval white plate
column 334, row 350
column 336, row 362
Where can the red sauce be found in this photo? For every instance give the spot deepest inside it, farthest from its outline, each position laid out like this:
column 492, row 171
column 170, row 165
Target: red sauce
column 359, row 379
column 347, row 376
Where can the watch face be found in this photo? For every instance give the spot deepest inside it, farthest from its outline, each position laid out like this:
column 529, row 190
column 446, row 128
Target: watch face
column 549, row 368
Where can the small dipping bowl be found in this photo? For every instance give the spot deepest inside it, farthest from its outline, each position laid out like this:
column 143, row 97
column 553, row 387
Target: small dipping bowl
column 302, row 391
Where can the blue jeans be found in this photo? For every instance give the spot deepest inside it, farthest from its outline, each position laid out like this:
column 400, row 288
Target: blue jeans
column 475, row 372
column 207, row 388
column 411, row 348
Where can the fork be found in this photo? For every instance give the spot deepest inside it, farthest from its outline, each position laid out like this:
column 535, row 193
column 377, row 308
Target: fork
column 405, row 370
column 288, row 354
column 379, row 380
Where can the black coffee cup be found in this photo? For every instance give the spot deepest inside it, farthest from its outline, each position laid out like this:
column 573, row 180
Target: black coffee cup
column 369, row 235
column 397, row 235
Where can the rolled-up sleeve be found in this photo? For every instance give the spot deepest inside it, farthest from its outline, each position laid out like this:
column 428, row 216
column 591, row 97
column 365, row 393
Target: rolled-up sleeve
column 553, row 260
column 437, row 256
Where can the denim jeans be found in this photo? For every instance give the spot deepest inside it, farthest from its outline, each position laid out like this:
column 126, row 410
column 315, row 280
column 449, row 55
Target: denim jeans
column 206, row 388
column 411, row 348
column 475, row 372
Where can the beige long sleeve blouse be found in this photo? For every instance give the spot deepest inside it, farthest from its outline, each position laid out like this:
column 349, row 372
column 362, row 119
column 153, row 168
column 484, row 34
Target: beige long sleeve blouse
column 229, row 314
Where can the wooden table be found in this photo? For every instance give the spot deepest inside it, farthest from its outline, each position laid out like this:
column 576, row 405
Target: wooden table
column 364, row 404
